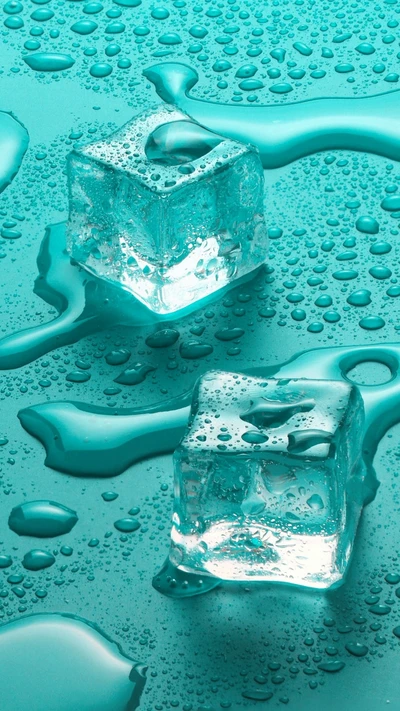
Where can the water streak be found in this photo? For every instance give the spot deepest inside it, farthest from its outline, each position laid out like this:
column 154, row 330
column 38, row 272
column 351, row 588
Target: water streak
column 93, row 441
column 85, row 304
column 285, row 132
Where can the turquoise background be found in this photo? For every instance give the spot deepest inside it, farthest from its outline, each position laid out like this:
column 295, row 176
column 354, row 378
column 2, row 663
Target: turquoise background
column 205, row 651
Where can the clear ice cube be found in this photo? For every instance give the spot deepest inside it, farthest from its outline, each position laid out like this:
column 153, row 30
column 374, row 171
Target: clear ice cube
column 167, row 208
column 269, row 480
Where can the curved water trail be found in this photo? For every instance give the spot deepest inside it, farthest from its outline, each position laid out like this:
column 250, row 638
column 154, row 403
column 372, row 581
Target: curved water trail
column 14, row 141
column 67, row 662
column 85, row 304
column 285, row 132
column 90, row 441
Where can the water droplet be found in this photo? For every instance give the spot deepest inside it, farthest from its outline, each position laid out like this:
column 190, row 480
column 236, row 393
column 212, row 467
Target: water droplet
column 118, row 357
column 392, row 578
column 229, row 334
column 42, row 519
column 282, row 88
column 365, row 48
column 331, row 666
column 391, row 203
column 192, row 350
column 257, row 694
column 5, row 561
column 368, row 225
column 134, row 375
column 250, row 85
column 380, row 609
column 128, row 3
column 38, row 559
column 380, row 248
column 362, row 297
column 357, row 649
column 304, row 49
column 84, row 27
column 100, row 70
column 127, row 525
column 380, row 272
column 49, row 61
column 109, row 496
column 254, row 437
column 42, row 14
column 170, row 38
column 372, row 323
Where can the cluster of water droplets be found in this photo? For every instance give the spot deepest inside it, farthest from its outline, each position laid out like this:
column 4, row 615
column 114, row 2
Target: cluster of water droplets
column 244, row 53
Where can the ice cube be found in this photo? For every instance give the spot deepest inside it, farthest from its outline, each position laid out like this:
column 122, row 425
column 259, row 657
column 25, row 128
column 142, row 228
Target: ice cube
column 167, row 208
column 269, row 480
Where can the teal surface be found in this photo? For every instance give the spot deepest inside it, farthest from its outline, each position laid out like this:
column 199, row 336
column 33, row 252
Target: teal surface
column 315, row 86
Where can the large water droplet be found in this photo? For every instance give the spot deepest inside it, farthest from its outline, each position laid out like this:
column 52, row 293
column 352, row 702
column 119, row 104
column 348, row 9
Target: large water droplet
column 49, row 61
column 38, row 559
column 42, row 519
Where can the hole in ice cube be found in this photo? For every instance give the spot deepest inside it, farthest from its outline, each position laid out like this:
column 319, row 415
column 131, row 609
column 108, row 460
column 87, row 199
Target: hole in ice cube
column 180, row 142
column 370, row 372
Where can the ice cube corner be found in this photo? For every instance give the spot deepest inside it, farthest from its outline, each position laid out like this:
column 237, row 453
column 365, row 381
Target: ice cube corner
column 167, row 208
column 269, row 480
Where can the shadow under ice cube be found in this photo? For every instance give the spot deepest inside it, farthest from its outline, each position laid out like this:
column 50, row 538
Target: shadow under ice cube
column 269, row 480
column 167, row 208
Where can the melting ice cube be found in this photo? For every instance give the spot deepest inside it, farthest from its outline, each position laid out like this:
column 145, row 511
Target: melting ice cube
column 167, row 208
column 269, row 480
